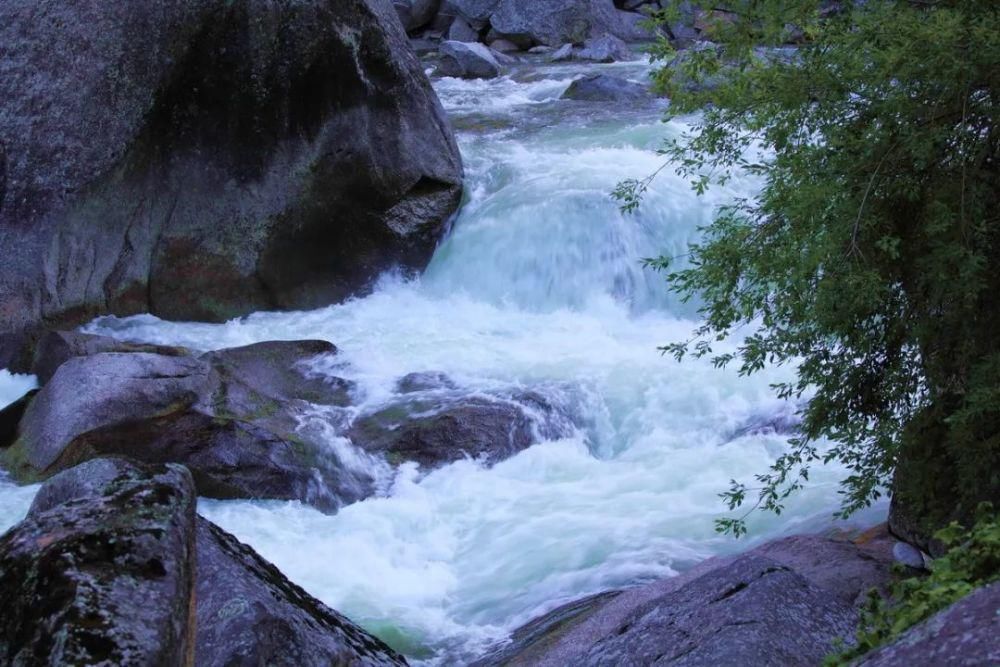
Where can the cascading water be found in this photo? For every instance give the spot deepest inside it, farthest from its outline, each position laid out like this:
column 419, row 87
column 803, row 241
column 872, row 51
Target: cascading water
column 540, row 286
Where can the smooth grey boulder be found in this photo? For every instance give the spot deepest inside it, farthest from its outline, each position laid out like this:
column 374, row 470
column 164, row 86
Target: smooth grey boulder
column 556, row 22
column 248, row 613
column 962, row 635
column 434, row 430
column 232, row 416
column 56, row 347
column 467, row 60
column 105, row 577
column 753, row 611
column 826, row 577
column 203, row 159
column 604, row 49
column 606, row 88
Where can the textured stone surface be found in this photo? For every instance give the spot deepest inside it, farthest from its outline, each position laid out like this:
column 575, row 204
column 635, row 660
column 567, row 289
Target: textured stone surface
column 825, row 577
column 113, row 567
column 248, row 613
column 753, row 611
column 202, row 159
column 555, row 22
column 105, row 577
column 604, row 49
column 963, row 635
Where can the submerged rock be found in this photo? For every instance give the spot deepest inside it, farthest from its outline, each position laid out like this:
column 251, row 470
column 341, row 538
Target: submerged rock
column 270, row 156
column 106, row 576
column 433, row 431
column 605, row 88
column 112, row 566
column 467, row 60
column 231, row 416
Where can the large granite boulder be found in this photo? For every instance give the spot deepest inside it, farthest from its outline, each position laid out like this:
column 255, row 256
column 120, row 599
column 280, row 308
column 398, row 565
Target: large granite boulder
column 556, row 22
column 753, row 611
column 155, row 584
column 233, row 417
column 55, row 348
column 202, row 159
column 963, row 635
column 443, row 427
column 783, row 602
column 107, row 578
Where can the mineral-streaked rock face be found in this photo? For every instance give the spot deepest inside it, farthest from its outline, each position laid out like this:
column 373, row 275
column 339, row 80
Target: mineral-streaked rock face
column 201, row 159
column 108, row 579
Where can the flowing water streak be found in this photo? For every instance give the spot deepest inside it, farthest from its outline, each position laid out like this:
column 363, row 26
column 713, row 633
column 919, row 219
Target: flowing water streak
column 539, row 286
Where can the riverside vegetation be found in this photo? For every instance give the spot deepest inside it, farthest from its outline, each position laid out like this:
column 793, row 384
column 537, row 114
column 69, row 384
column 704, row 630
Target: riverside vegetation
column 870, row 257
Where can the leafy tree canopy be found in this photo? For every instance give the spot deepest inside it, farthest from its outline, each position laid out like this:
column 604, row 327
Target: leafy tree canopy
column 871, row 255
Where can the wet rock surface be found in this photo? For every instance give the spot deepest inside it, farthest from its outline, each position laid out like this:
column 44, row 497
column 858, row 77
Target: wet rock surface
column 106, row 576
column 436, row 430
column 272, row 155
column 231, row 416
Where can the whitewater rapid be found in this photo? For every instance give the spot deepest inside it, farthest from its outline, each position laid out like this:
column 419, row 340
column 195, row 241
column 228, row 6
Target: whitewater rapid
column 539, row 285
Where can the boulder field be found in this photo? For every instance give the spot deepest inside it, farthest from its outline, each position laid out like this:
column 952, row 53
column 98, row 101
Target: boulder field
column 203, row 159
column 257, row 421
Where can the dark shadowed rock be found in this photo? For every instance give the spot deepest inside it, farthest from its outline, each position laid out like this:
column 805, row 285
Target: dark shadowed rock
column 824, row 578
column 965, row 634
column 248, row 613
column 10, row 418
column 105, row 577
column 415, row 14
column 56, row 347
column 232, row 416
column 467, row 60
column 434, row 430
column 753, row 611
column 604, row 49
column 477, row 11
column 606, row 88
column 202, row 159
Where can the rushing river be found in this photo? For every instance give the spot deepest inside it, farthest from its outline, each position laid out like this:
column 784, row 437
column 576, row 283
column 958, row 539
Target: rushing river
column 538, row 285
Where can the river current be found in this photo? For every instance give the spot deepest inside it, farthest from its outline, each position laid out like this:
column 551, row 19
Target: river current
column 538, row 285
